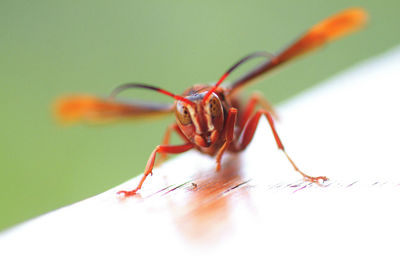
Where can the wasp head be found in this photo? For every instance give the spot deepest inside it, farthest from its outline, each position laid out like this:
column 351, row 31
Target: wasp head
column 200, row 119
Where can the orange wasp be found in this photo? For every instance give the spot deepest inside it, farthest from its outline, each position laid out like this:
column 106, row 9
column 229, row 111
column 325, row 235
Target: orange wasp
column 210, row 118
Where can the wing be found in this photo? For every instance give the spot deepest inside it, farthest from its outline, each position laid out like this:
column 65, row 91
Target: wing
column 94, row 109
column 329, row 29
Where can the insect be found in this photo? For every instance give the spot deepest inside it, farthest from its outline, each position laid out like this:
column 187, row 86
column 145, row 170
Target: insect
column 211, row 118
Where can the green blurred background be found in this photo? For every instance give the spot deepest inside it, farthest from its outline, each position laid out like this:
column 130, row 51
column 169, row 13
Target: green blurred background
column 51, row 48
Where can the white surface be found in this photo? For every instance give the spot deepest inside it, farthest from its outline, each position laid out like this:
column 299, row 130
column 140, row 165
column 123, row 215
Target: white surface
column 346, row 129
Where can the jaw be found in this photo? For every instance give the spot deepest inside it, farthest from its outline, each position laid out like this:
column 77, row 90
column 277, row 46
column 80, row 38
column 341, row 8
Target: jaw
column 206, row 140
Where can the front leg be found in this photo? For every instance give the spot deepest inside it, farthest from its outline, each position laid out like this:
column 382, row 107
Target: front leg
column 229, row 131
column 150, row 163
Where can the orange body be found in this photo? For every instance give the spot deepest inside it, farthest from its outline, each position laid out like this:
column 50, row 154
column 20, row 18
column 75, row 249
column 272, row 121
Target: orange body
column 211, row 118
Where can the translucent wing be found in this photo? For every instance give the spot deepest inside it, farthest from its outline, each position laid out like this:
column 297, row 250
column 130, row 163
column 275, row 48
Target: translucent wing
column 94, row 109
column 329, row 29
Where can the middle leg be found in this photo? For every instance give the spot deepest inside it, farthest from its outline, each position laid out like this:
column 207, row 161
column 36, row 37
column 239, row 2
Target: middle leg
column 166, row 140
column 255, row 99
column 248, row 133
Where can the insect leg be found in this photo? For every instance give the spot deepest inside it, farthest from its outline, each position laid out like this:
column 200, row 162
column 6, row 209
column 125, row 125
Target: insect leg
column 167, row 137
column 248, row 133
column 255, row 98
column 229, row 130
column 150, row 163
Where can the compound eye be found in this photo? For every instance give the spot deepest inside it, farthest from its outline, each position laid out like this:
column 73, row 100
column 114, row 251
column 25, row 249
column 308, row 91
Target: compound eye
column 214, row 107
column 183, row 114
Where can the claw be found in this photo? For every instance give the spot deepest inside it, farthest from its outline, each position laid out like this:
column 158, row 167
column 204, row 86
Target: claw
column 315, row 179
column 127, row 193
